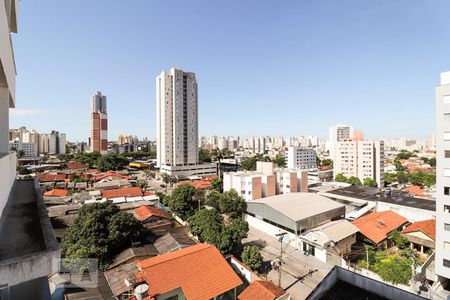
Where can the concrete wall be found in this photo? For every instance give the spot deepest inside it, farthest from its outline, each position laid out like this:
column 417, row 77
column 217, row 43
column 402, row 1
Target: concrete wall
column 270, row 229
column 7, row 177
column 410, row 213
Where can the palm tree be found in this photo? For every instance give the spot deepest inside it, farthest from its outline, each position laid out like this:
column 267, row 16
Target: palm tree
column 218, row 155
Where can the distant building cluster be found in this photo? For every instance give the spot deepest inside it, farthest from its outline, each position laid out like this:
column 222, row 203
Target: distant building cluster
column 33, row 143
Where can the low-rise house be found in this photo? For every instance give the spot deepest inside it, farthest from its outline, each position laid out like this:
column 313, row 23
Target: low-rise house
column 132, row 254
column 263, row 290
column 77, row 166
column 196, row 272
column 109, row 185
column 56, row 193
column 421, row 235
column 376, row 227
column 172, row 241
column 51, row 177
column 122, row 192
column 331, row 241
column 198, row 184
column 151, row 216
column 110, row 176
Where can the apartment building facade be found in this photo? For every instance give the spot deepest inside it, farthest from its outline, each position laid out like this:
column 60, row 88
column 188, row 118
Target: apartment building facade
column 98, row 141
column 177, row 124
column 301, row 158
column 442, row 262
column 362, row 159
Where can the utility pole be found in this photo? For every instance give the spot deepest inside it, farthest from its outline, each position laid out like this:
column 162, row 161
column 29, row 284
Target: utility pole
column 280, row 239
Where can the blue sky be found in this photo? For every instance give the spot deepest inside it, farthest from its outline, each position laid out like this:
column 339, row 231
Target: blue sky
column 264, row 67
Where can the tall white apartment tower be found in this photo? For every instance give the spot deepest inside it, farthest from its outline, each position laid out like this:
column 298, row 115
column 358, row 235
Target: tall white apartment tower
column 177, row 123
column 442, row 262
column 338, row 133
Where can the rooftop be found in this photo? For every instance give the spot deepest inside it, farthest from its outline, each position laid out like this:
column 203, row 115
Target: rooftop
column 377, row 225
column 122, row 192
column 334, row 231
column 144, row 212
column 299, row 206
column 375, row 194
column 200, row 271
column 261, row 290
column 172, row 241
column 56, row 193
column 428, row 227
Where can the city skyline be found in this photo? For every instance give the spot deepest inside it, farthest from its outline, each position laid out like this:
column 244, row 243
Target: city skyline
column 358, row 70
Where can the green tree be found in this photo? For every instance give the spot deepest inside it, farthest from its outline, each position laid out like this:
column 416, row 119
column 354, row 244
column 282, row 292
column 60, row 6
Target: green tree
column 398, row 165
column 217, row 155
column 237, row 230
column 389, row 178
column 402, row 177
column 394, row 269
column 280, row 160
column 398, row 239
column 369, row 182
column 251, row 257
column 340, row 178
column 100, row 231
column 213, row 199
column 180, row 201
column 249, row 164
column 88, row 158
column 405, row 154
column 166, row 178
column 112, row 162
column 326, row 163
column 151, row 154
column 204, row 155
column 206, row 224
column 231, row 204
column 217, row 184
column 354, row 180
column 23, row 171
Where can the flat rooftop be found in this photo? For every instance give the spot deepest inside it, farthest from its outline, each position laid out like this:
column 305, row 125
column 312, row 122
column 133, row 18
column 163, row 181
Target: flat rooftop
column 299, row 206
column 374, row 194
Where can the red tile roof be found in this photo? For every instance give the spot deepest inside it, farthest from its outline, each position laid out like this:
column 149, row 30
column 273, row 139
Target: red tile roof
column 200, row 271
column 51, row 177
column 122, row 192
column 76, row 165
column 376, row 226
column 56, row 193
column 144, row 212
column 110, row 174
column 428, row 227
column 198, row 184
column 261, row 290
column 148, row 194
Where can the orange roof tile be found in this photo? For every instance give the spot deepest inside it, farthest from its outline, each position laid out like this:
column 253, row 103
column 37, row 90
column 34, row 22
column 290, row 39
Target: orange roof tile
column 200, row 271
column 110, row 174
column 51, row 177
column 261, row 290
column 56, row 193
column 428, row 227
column 144, row 212
column 376, row 226
column 122, row 192
column 198, row 184
column 76, row 165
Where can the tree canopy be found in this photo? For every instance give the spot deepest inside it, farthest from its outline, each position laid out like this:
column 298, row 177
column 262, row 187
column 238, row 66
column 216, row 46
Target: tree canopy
column 340, row 178
column 369, row 182
column 180, row 201
column 280, row 160
column 204, row 155
column 217, row 184
column 251, row 257
column 111, row 162
column 229, row 203
column 249, row 164
column 100, row 231
column 354, row 180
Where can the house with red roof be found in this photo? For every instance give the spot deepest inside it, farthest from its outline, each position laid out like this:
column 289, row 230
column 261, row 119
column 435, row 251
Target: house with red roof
column 77, row 166
column 263, row 290
column 375, row 228
column 197, row 272
column 51, row 177
column 122, row 192
column 56, row 193
column 151, row 215
column 109, row 176
column 421, row 235
column 198, row 184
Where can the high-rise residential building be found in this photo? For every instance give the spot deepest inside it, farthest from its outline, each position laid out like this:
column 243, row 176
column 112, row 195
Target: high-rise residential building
column 98, row 140
column 29, row 149
column 56, row 142
column 338, row 133
column 301, row 158
column 43, row 143
column 177, row 124
column 29, row 251
column 362, row 159
column 62, row 143
column 442, row 261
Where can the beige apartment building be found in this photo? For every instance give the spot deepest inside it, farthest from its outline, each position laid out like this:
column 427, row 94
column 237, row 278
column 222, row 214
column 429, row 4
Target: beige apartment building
column 362, row 159
column 266, row 181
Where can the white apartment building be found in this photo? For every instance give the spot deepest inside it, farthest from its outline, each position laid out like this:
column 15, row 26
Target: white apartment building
column 177, row 124
column 442, row 261
column 43, row 143
column 258, row 144
column 360, row 159
column 301, row 158
column 62, row 143
column 56, row 143
column 29, row 149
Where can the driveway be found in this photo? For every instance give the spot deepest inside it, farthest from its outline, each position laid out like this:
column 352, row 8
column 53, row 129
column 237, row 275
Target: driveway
column 300, row 273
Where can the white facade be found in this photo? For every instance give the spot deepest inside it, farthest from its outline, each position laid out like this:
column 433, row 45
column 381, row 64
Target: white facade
column 442, row 262
column 62, row 143
column 301, row 158
column 362, row 159
column 43, row 143
column 336, row 134
column 29, row 149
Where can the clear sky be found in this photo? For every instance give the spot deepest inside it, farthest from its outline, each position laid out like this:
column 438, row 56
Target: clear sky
column 264, row 67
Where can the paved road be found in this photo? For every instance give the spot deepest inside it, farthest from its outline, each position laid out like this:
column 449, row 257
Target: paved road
column 295, row 277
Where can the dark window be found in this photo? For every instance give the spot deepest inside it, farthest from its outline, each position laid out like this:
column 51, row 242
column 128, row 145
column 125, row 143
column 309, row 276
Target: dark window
column 447, row 227
column 446, row 190
column 446, row 263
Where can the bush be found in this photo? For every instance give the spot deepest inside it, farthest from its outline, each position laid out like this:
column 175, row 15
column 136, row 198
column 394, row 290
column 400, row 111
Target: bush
column 251, row 257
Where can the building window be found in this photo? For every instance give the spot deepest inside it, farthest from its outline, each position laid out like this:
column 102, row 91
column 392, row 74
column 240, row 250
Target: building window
column 447, row 208
column 446, row 190
column 446, row 245
column 446, row 263
column 447, row 136
column 447, row 172
column 447, row 153
column 447, row 227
